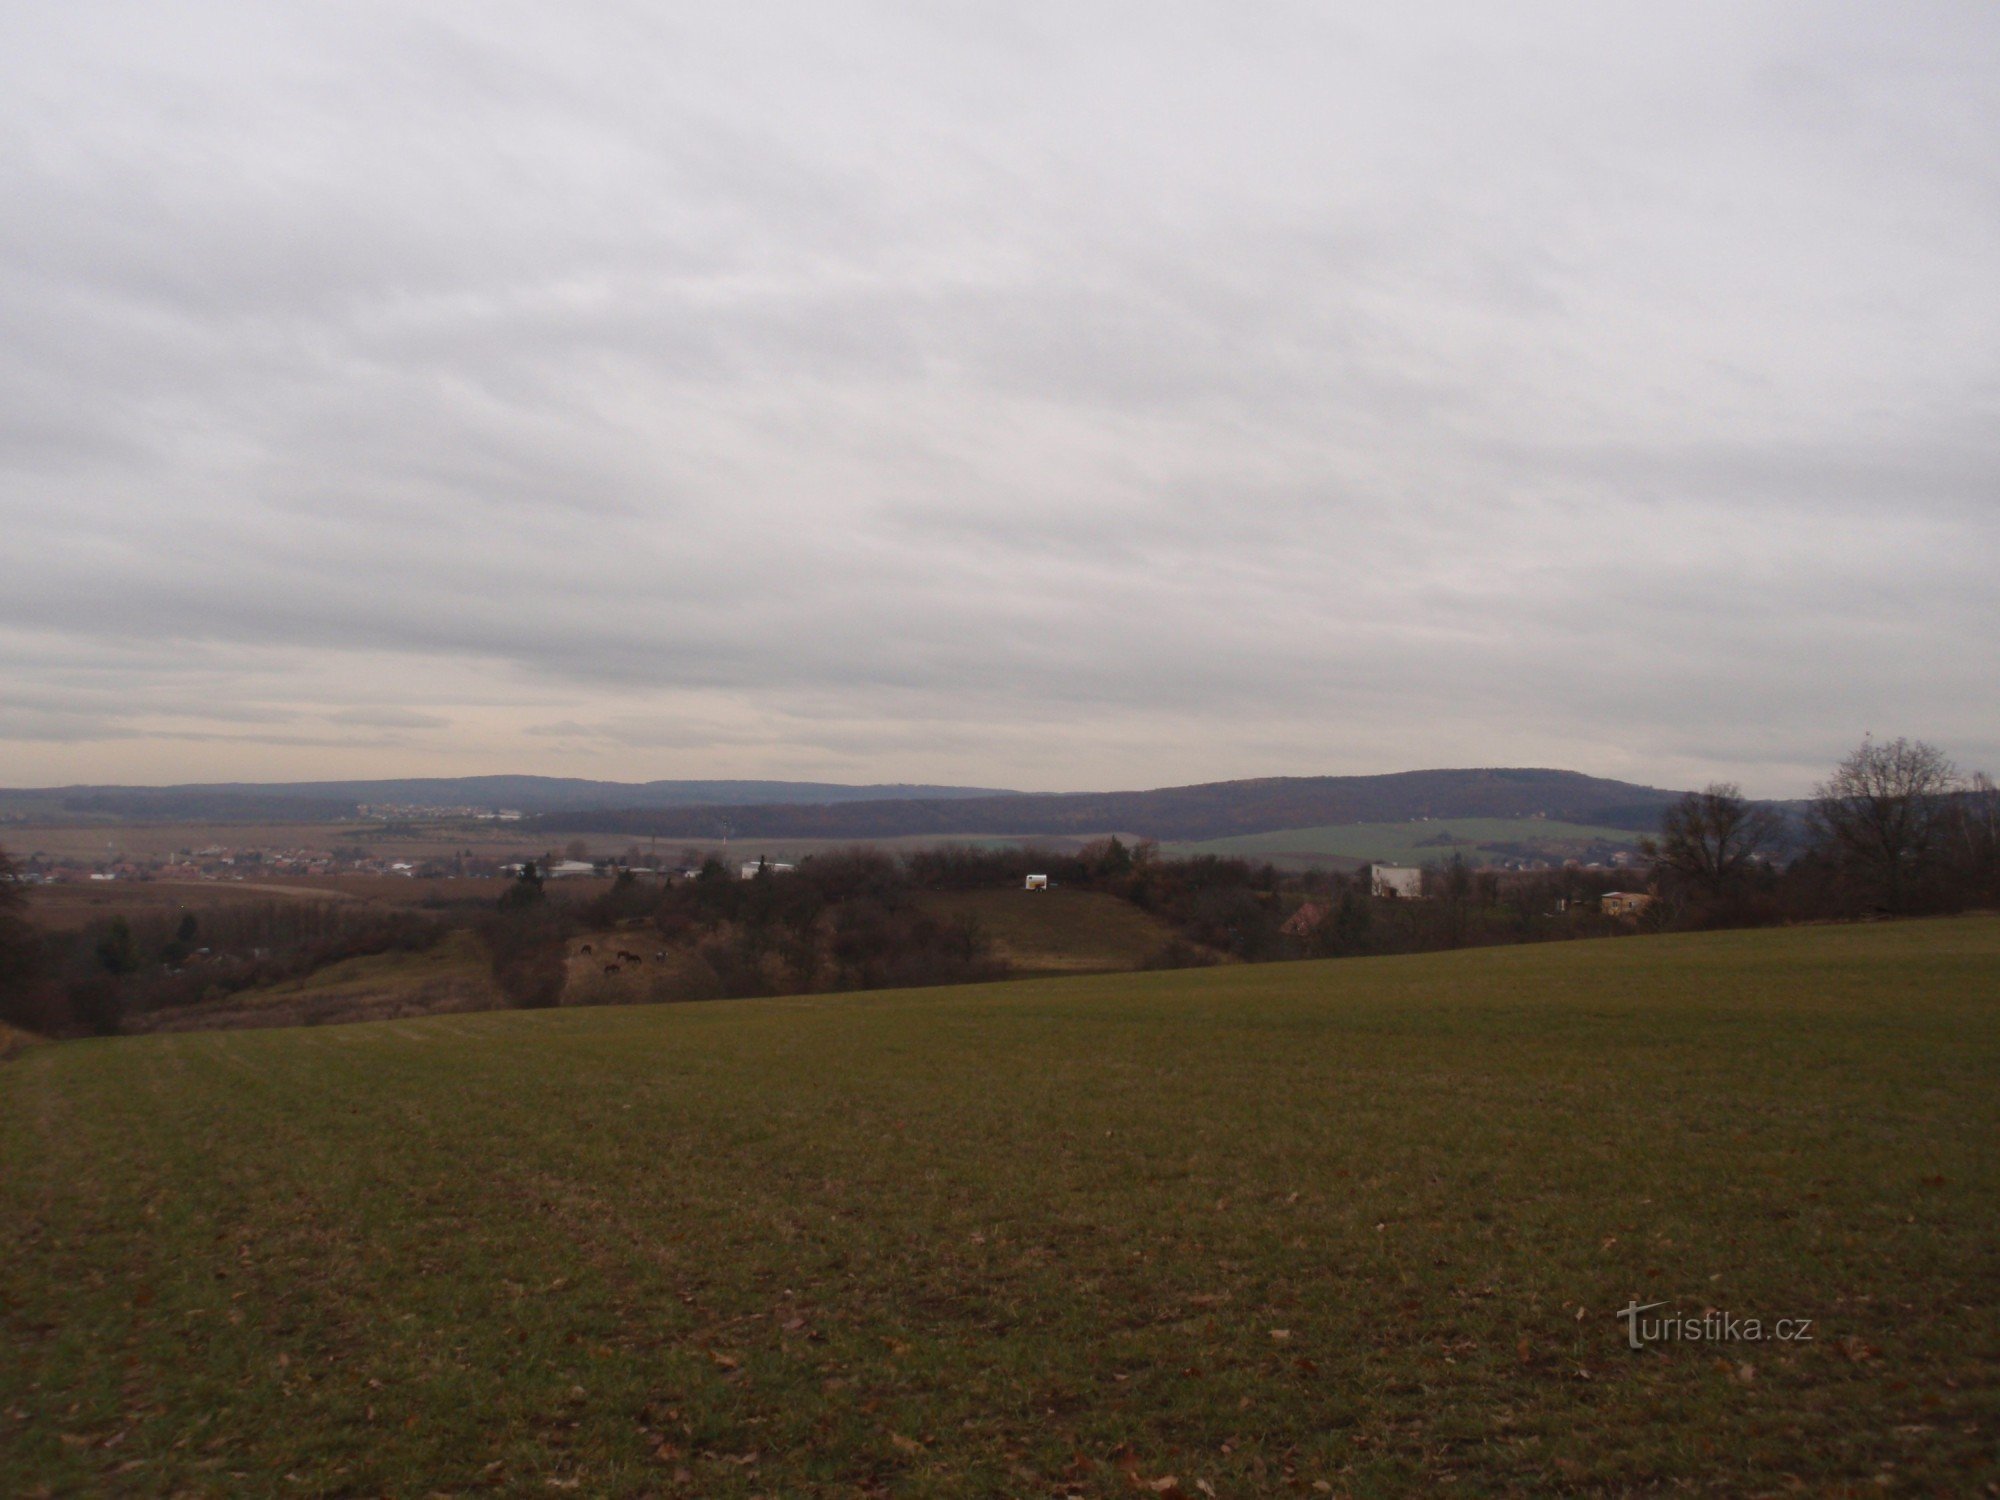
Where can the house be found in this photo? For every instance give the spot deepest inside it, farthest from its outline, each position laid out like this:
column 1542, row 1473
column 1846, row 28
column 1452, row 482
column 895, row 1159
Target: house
column 570, row 869
column 1038, row 882
column 1623, row 903
column 1405, row 882
column 1305, row 921
column 751, row 867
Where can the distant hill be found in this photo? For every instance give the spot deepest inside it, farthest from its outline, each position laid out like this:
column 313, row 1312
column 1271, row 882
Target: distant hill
column 1218, row 809
column 317, row 800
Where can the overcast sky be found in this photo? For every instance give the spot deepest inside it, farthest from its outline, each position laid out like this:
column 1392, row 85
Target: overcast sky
column 1049, row 396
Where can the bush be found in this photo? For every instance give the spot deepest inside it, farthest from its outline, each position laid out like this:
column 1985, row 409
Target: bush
column 527, row 950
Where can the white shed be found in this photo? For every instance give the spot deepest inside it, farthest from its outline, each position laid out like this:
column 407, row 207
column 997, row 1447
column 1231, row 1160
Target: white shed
column 1403, row 881
column 1038, row 882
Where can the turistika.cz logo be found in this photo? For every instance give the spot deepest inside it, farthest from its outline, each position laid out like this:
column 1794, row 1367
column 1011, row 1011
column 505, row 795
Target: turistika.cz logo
column 1712, row 1327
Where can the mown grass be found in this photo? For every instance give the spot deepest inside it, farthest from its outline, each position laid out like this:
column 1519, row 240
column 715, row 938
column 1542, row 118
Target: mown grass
column 1352, row 1228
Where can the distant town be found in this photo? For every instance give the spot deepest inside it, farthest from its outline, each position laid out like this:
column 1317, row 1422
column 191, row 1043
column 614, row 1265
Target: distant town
column 239, row 862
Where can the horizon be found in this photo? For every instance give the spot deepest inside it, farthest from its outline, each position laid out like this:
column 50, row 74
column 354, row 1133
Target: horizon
column 884, row 785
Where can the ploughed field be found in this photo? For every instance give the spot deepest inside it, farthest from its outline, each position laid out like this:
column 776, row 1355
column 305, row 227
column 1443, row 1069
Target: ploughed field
column 1359, row 1227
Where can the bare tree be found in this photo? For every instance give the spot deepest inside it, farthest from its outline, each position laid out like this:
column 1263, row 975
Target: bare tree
column 1710, row 839
column 1975, row 836
column 20, row 948
column 1882, row 812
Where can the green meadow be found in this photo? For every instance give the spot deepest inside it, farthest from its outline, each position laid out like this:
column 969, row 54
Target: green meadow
column 1349, row 1228
column 1414, row 843
column 1058, row 931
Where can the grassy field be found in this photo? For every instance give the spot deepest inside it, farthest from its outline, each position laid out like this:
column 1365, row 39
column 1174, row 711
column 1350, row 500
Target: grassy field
column 1057, row 931
column 1348, row 1228
column 69, row 907
column 424, row 840
column 452, row 976
column 437, row 840
column 66, row 908
column 1411, row 843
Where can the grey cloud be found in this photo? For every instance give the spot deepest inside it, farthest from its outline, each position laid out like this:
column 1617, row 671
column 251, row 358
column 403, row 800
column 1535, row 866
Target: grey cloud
column 388, row 717
column 1090, row 394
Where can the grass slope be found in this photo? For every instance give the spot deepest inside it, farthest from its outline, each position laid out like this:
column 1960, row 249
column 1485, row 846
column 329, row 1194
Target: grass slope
column 14, row 1041
column 451, row 976
column 1414, row 843
column 1356, row 1227
column 1058, row 931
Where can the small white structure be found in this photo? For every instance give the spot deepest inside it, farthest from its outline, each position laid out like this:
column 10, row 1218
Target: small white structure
column 1403, row 882
column 750, row 869
column 1038, row 882
column 570, row 869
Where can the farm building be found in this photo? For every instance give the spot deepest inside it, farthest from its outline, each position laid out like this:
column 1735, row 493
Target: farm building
column 1038, row 882
column 751, row 867
column 570, row 869
column 1403, row 881
column 1623, row 903
column 1304, row 921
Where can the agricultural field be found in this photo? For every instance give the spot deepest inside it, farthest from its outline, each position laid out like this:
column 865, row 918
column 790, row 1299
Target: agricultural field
column 1058, row 931
column 1350, row 1228
column 68, row 907
column 435, row 840
column 1412, row 843
column 423, row 840
column 105, row 841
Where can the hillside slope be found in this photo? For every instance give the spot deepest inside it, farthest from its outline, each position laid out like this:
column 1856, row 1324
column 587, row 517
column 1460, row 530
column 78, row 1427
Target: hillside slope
column 1058, row 931
column 1480, row 839
column 1211, row 810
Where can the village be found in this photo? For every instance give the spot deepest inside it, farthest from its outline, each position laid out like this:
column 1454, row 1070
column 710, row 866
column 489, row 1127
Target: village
column 252, row 862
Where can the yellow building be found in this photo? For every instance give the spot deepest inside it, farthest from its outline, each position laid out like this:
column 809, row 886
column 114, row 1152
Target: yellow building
column 1623, row 903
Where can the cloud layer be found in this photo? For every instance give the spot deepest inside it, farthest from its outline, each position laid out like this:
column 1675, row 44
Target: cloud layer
column 1089, row 396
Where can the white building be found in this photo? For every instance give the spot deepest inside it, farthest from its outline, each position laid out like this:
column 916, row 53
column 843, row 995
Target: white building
column 751, row 867
column 1405, row 882
column 1038, row 882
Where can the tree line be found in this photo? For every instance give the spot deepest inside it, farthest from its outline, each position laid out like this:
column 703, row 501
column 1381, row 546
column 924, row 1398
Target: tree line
column 1895, row 829
column 92, row 980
